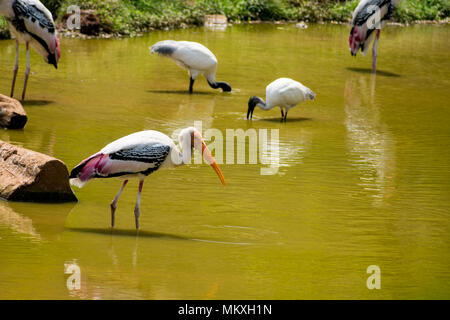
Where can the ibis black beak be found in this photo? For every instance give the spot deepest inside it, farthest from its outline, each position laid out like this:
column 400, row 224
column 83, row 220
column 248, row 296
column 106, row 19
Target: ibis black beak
column 251, row 107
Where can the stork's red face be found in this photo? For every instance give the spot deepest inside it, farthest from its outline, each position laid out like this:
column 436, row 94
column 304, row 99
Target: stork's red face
column 58, row 49
column 53, row 58
column 353, row 40
column 198, row 143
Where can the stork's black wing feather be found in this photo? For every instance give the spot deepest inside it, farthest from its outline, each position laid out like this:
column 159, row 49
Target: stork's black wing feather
column 154, row 153
column 22, row 10
column 368, row 10
column 148, row 153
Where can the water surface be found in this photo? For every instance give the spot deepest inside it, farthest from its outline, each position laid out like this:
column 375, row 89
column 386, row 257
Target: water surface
column 363, row 177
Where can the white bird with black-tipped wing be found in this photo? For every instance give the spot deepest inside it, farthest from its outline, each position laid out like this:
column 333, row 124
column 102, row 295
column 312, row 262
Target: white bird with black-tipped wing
column 284, row 93
column 31, row 23
column 195, row 58
column 368, row 19
column 138, row 155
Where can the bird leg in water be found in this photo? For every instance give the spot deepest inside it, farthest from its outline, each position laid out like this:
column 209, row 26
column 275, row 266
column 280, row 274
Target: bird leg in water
column 114, row 202
column 27, row 71
column 137, row 210
column 375, row 51
column 282, row 114
column 191, row 85
column 285, row 115
column 16, row 68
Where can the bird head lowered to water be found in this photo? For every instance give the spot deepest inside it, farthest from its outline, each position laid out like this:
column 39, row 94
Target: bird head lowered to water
column 252, row 103
column 53, row 58
column 195, row 58
column 284, row 93
column 191, row 138
column 311, row 95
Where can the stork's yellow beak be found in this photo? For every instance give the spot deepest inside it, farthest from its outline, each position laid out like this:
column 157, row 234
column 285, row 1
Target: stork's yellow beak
column 209, row 158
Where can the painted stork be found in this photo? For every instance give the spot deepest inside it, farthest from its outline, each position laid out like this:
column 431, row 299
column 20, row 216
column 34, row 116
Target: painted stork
column 138, row 155
column 284, row 93
column 195, row 58
column 368, row 19
column 31, row 23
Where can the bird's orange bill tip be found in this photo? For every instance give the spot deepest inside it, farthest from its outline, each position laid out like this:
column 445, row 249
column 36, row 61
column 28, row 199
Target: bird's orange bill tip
column 219, row 173
column 211, row 161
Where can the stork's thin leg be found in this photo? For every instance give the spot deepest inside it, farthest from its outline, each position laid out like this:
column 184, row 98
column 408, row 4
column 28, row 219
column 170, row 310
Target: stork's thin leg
column 375, row 51
column 282, row 114
column 27, row 72
column 16, row 68
column 191, row 85
column 285, row 115
column 137, row 210
column 114, row 202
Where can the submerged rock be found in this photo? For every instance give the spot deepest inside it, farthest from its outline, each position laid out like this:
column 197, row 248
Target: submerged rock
column 301, row 25
column 27, row 175
column 12, row 114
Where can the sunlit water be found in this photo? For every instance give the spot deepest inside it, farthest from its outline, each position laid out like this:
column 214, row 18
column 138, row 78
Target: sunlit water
column 363, row 177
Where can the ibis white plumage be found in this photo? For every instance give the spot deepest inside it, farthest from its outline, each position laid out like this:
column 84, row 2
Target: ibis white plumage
column 195, row 58
column 31, row 23
column 368, row 19
column 138, row 155
column 284, row 93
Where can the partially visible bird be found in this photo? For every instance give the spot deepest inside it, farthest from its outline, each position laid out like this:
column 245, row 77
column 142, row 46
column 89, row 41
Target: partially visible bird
column 195, row 58
column 284, row 93
column 138, row 155
column 31, row 23
column 368, row 19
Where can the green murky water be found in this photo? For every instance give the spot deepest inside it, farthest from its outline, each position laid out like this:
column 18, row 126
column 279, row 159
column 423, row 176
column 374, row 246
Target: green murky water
column 363, row 178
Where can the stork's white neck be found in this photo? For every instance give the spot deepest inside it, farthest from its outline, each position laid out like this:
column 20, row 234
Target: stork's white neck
column 185, row 143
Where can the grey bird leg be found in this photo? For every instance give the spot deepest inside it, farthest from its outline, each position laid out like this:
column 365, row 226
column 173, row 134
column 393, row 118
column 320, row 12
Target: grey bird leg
column 191, row 85
column 27, row 72
column 137, row 211
column 375, row 51
column 282, row 114
column 114, row 202
column 285, row 115
column 16, row 68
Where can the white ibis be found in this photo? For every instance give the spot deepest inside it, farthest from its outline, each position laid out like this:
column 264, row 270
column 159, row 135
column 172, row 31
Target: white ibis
column 31, row 22
column 138, row 155
column 195, row 58
column 368, row 19
column 284, row 93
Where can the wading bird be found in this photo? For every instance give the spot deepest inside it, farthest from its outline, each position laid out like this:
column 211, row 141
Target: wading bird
column 138, row 155
column 31, row 23
column 195, row 58
column 284, row 93
column 368, row 19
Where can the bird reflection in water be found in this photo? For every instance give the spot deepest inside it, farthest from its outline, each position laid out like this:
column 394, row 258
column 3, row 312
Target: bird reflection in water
column 371, row 145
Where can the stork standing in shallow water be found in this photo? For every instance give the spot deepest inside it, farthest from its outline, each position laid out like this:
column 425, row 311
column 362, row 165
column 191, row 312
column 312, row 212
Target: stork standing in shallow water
column 195, row 58
column 368, row 19
column 284, row 93
column 138, row 155
column 31, row 22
